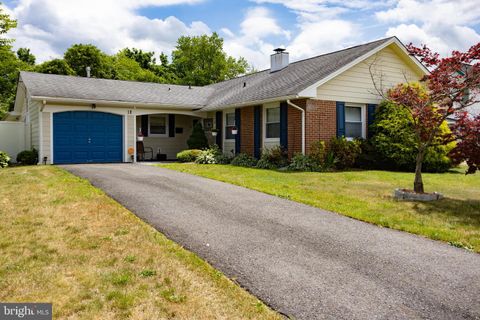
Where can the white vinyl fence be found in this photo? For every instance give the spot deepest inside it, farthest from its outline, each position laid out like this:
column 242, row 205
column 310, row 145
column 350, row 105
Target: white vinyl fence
column 14, row 138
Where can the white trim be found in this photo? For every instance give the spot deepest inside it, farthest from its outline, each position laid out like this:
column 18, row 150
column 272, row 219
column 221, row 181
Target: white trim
column 40, row 136
column 158, row 135
column 51, row 138
column 125, row 138
column 250, row 103
column 134, row 139
column 363, row 110
column 311, row 91
column 265, row 107
column 224, row 129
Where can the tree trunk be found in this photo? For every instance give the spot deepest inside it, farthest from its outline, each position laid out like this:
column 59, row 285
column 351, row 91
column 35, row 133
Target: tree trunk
column 418, row 182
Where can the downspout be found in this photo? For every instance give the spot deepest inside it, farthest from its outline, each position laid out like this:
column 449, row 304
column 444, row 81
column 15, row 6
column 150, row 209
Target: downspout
column 303, row 123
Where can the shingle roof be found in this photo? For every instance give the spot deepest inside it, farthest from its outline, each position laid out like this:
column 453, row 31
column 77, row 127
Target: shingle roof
column 59, row 86
column 258, row 86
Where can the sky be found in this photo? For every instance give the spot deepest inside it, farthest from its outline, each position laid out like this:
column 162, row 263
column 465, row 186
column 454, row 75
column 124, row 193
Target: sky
column 250, row 28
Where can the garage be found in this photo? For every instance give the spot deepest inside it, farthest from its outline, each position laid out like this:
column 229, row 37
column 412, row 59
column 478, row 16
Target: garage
column 87, row 137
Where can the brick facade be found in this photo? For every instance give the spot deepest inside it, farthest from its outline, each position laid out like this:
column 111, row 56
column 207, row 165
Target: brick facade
column 246, row 130
column 321, row 121
column 295, row 127
column 320, row 124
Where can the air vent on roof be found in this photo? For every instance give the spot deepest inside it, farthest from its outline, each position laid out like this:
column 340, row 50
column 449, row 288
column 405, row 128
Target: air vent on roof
column 278, row 60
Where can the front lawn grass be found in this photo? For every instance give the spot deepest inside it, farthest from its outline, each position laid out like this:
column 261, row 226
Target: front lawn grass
column 367, row 196
column 64, row 241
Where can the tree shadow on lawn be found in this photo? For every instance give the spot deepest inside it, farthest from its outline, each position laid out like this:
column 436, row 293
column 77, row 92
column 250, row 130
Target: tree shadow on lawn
column 465, row 212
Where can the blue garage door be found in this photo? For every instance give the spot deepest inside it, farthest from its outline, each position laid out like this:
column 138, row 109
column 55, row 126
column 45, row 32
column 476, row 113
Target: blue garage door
column 87, row 136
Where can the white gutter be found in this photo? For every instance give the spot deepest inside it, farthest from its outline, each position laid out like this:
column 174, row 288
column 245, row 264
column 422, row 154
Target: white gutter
column 303, row 123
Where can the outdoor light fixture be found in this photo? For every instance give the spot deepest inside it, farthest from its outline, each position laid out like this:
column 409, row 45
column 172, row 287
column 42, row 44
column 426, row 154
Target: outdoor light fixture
column 94, row 106
column 45, row 160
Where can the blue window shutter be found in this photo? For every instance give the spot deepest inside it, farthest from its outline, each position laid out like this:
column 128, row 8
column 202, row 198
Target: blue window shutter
column 257, row 131
column 340, row 119
column 370, row 116
column 284, row 125
column 219, row 127
column 171, row 125
column 145, row 125
column 238, row 126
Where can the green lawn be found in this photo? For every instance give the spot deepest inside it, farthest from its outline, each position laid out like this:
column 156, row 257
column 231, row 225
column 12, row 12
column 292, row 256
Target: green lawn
column 65, row 242
column 367, row 196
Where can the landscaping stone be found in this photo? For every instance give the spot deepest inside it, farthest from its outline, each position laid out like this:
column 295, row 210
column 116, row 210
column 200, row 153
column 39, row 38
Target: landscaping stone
column 409, row 195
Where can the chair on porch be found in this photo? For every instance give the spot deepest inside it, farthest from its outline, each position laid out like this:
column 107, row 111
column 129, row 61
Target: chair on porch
column 142, row 151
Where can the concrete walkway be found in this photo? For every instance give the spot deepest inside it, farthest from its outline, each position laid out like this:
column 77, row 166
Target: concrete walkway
column 304, row 262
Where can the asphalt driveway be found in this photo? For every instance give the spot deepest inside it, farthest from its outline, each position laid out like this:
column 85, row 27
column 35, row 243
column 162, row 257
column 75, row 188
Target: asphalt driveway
column 304, row 262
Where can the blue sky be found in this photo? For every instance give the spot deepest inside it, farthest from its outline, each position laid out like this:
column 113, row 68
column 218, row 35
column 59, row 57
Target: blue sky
column 251, row 28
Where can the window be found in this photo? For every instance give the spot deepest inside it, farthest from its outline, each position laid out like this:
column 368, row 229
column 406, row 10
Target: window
column 157, row 125
column 353, row 122
column 272, row 123
column 229, row 125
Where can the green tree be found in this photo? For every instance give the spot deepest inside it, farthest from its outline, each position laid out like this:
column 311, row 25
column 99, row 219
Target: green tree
column 26, row 56
column 6, row 23
column 395, row 142
column 129, row 69
column 201, row 61
column 55, row 66
column 81, row 56
column 198, row 139
column 146, row 60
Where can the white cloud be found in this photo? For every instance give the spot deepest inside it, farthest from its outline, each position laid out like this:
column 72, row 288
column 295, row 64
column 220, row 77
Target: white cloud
column 259, row 23
column 48, row 27
column 442, row 25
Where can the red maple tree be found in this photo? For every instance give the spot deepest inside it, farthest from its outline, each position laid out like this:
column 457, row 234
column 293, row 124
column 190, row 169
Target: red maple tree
column 467, row 131
column 451, row 87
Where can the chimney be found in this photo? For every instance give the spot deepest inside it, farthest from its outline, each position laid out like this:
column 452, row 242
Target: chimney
column 88, row 71
column 278, row 60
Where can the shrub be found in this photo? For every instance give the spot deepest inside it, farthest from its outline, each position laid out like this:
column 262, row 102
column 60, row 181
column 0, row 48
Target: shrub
column 4, row 159
column 188, row 155
column 302, row 162
column 244, row 160
column 273, row 158
column 28, row 157
column 212, row 155
column 198, row 139
column 345, row 152
column 394, row 142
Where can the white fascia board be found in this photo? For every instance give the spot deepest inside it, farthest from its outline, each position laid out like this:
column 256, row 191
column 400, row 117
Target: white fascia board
column 311, row 91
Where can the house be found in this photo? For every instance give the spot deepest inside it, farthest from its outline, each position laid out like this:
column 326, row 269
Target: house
column 79, row 120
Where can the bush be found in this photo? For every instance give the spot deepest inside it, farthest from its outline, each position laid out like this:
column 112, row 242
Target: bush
column 273, row 158
column 302, row 162
column 188, row 155
column 394, row 143
column 244, row 160
column 212, row 155
column 198, row 139
column 345, row 152
column 28, row 157
column 4, row 159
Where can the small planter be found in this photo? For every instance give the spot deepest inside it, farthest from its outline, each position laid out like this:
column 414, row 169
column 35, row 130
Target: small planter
column 409, row 195
column 234, row 131
column 214, row 133
column 140, row 138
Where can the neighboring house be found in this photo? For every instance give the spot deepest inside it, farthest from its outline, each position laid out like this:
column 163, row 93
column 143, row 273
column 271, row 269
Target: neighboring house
column 78, row 120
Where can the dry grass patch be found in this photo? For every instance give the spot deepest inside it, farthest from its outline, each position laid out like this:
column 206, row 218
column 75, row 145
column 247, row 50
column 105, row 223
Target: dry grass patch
column 65, row 242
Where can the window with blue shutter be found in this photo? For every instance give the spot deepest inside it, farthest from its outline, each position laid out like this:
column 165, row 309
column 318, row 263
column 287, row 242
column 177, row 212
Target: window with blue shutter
column 340, row 119
column 256, row 131
column 371, row 108
column 284, row 124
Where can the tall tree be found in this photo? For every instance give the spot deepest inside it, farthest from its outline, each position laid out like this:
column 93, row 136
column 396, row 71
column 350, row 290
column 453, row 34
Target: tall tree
column 55, row 66
column 448, row 87
column 26, row 56
column 129, row 69
column 201, row 61
column 81, row 56
column 6, row 23
column 146, row 60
